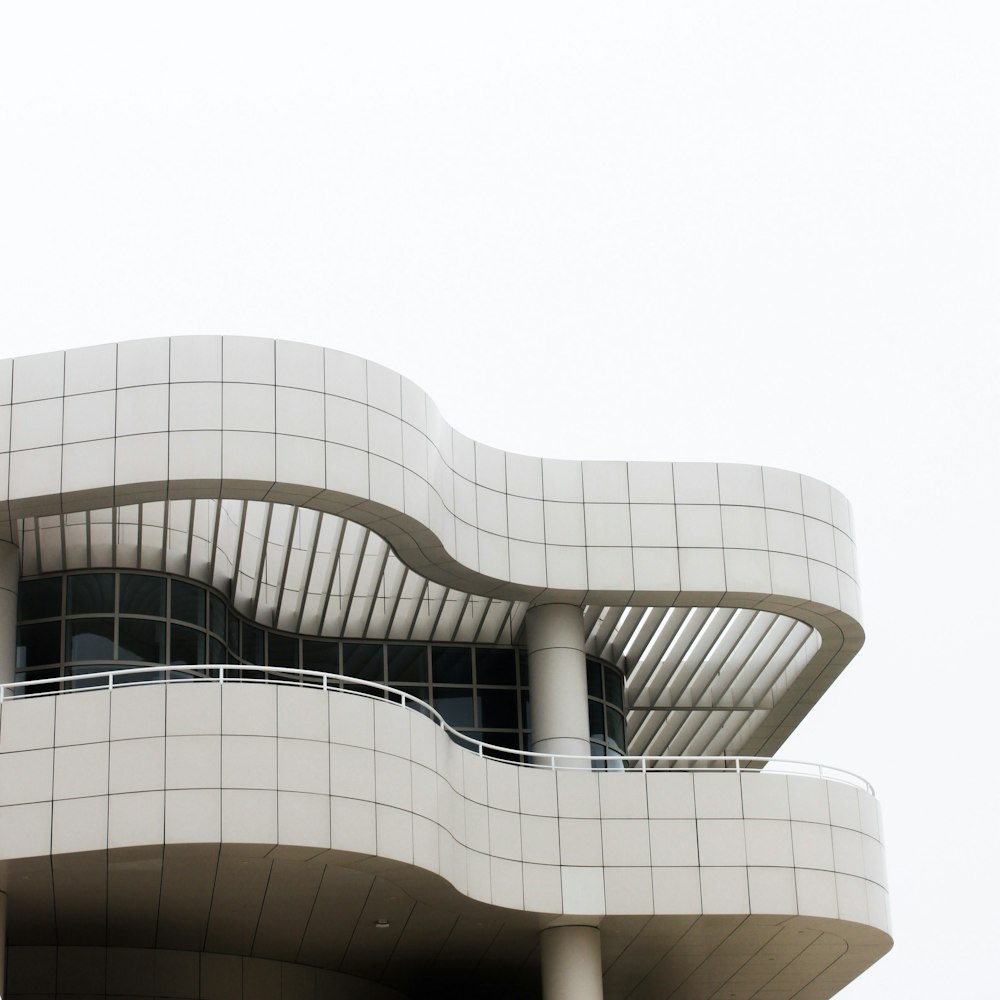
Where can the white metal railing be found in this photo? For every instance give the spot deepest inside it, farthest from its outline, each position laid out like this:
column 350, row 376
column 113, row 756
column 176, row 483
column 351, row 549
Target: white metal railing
column 251, row 674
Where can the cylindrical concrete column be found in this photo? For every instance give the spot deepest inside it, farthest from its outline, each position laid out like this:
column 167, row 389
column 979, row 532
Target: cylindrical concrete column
column 9, row 575
column 560, row 723
column 571, row 963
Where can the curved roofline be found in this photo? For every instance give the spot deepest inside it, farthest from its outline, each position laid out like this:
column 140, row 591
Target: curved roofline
column 272, row 420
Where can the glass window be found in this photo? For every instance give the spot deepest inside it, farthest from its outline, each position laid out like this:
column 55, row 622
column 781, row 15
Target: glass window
column 596, row 720
column 594, row 679
column 216, row 651
column 216, row 614
column 614, row 687
column 90, row 594
column 616, row 730
column 233, row 634
column 43, row 673
column 282, row 651
column 407, row 664
column 512, row 740
column 496, row 666
column 90, row 639
column 253, row 644
column 90, row 668
column 38, row 644
column 456, row 705
column 319, row 655
column 497, row 709
column 40, row 598
column 142, row 595
column 187, row 645
column 452, row 664
column 187, row 603
column 416, row 691
column 142, row 640
column 364, row 661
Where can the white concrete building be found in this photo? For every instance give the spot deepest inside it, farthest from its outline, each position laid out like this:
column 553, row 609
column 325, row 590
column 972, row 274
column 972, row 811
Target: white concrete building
column 307, row 695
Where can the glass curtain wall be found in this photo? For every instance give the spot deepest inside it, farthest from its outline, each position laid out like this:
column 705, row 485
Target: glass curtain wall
column 80, row 623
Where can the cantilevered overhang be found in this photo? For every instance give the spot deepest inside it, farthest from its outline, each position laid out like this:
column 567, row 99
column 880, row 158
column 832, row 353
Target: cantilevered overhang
column 326, row 495
column 351, row 835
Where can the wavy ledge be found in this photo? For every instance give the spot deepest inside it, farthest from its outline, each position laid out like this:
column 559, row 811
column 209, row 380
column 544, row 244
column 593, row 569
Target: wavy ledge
column 251, row 796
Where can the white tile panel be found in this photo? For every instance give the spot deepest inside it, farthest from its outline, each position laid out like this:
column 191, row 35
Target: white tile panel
column 39, row 376
column 79, row 771
column 772, row 890
column 724, row 890
column 196, row 359
column 83, row 718
column 248, row 359
column 605, row 482
column 626, row 842
column 143, row 362
column 196, row 407
column 676, row 890
column 627, row 889
column 673, row 842
column 194, row 762
column 582, row 889
column 89, row 417
column 35, row 424
column 298, row 366
column 26, row 776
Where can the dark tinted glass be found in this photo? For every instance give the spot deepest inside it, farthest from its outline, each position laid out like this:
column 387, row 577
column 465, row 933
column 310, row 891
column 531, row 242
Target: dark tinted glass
column 90, row 593
column 497, row 709
column 456, row 706
column 512, row 740
column 594, row 679
column 233, row 633
column 416, row 690
column 90, row 639
column 216, row 614
column 318, row 655
column 216, row 651
column 39, row 598
column 363, row 660
column 616, row 730
column 282, row 651
column 407, row 664
column 452, row 664
column 187, row 645
column 596, row 720
column 253, row 644
column 187, row 602
column 37, row 675
column 38, row 644
column 525, row 710
column 142, row 640
column 496, row 666
column 614, row 688
column 89, row 682
column 142, row 595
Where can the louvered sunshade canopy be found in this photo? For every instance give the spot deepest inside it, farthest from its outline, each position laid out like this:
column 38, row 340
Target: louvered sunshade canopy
column 699, row 679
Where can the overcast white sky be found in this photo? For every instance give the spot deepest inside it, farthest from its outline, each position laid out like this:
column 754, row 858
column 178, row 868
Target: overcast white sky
column 736, row 231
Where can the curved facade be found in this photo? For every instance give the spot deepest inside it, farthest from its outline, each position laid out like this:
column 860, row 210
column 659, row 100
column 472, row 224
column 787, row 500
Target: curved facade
column 260, row 826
